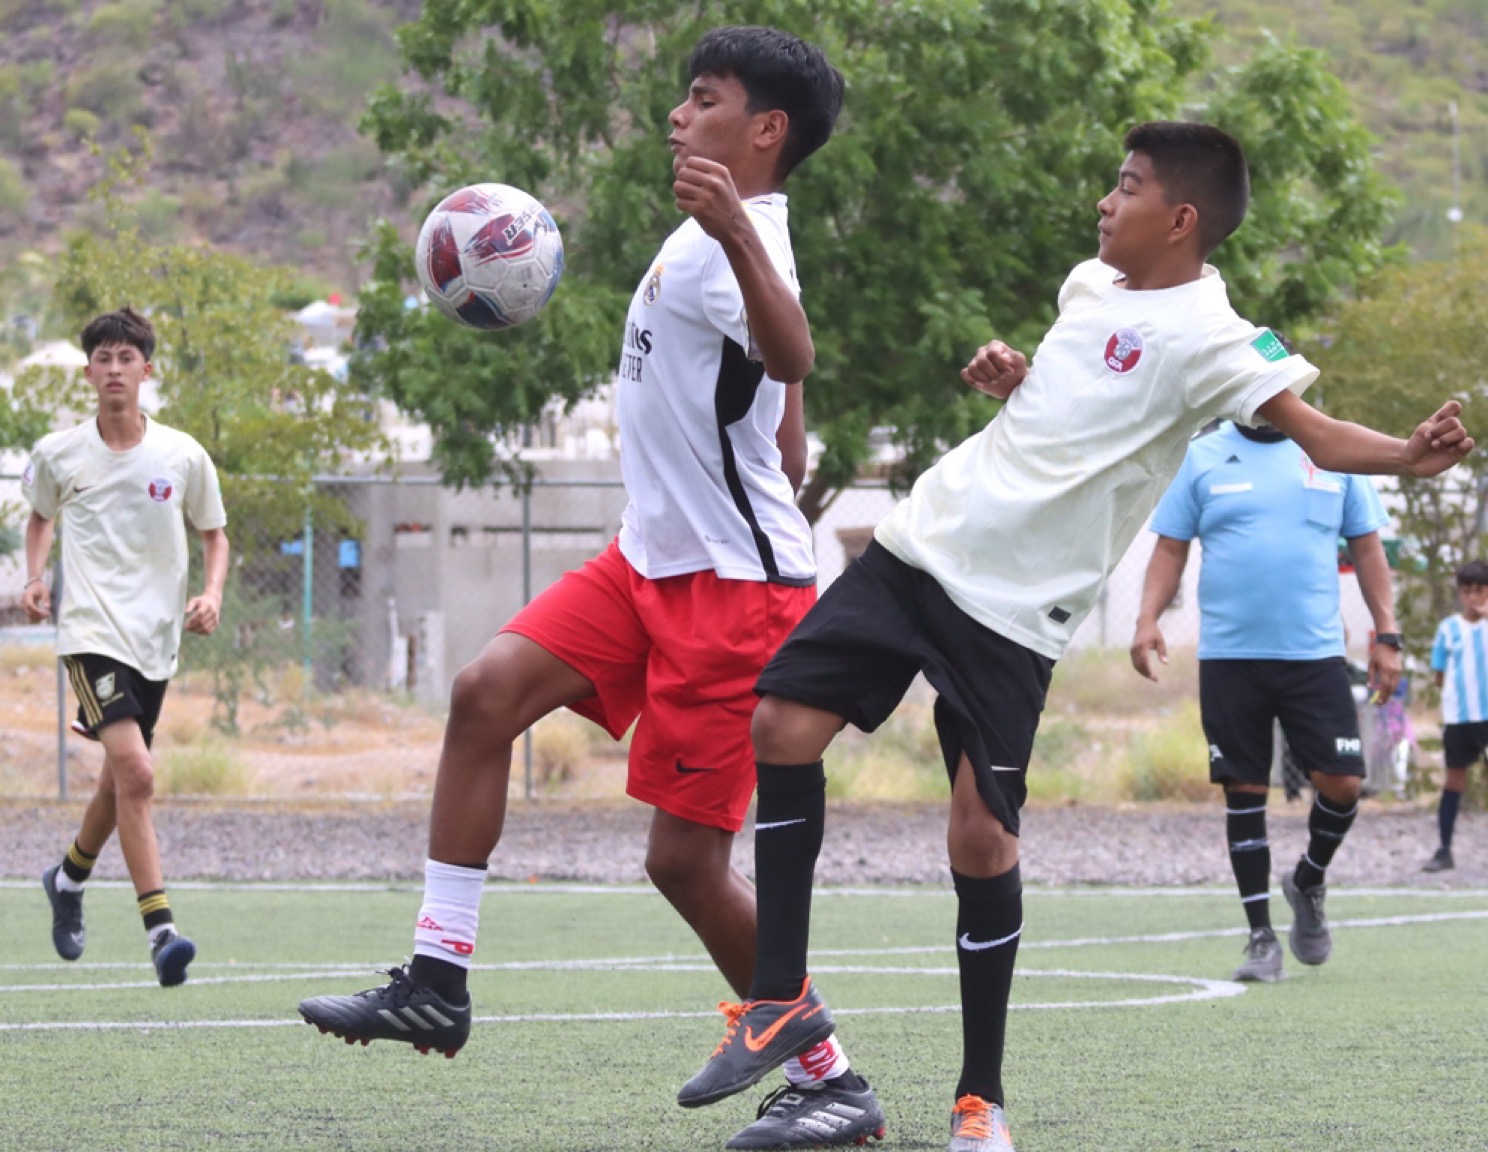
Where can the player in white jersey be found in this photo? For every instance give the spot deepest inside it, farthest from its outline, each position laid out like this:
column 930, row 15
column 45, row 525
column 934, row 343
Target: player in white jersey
column 1459, row 657
column 981, row 575
column 668, row 628
column 123, row 487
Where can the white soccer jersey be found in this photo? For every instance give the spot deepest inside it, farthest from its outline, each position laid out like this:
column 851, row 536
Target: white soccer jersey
column 698, row 420
column 1023, row 522
column 124, row 554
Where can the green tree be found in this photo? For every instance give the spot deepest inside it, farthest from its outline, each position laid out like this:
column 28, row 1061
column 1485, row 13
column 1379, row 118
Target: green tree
column 1411, row 340
column 960, row 189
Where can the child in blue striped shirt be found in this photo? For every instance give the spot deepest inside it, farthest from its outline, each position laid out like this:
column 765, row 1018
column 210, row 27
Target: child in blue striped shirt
column 1459, row 657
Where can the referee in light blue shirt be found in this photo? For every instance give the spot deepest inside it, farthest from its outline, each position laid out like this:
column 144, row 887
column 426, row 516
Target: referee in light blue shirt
column 1459, row 657
column 1271, row 649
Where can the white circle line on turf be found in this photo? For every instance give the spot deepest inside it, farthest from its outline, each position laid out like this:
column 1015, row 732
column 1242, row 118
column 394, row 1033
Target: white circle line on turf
column 663, row 963
column 1199, row 989
column 559, row 888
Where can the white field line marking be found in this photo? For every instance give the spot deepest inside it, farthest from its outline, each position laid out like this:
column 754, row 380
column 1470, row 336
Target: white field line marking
column 508, row 888
column 663, row 963
column 1199, row 989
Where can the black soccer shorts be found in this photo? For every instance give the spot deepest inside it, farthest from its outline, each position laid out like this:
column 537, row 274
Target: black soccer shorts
column 1312, row 699
column 109, row 691
column 880, row 624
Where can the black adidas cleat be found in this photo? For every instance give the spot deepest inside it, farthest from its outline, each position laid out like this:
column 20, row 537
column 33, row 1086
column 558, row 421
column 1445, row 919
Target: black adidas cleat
column 401, row 1010
column 821, row 1115
column 68, row 935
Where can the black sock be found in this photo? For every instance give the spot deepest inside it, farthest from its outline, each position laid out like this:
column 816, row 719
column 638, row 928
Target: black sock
column 1250, row 854
column 77, row 864
column 155, row 909
column 1327, row 825
column 788, row 822
column 444, row 978
column 1446, row 816
column 989, row 921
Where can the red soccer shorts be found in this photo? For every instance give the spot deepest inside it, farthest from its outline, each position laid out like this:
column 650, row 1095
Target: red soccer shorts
column 678, row 658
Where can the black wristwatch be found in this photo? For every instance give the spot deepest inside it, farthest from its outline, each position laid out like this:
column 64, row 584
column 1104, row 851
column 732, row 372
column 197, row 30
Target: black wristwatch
column 1389, row 640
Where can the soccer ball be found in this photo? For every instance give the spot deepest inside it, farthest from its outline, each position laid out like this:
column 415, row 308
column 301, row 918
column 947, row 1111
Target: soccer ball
column 489, row 256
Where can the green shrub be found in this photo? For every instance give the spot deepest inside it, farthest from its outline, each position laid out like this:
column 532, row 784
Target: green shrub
column 206, row 768
column 1169, row 761
column 112, row 91
column 80, row 124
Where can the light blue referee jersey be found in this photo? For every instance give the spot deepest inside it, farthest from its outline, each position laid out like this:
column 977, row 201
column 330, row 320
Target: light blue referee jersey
column 1460, row 654
column 1268, row 520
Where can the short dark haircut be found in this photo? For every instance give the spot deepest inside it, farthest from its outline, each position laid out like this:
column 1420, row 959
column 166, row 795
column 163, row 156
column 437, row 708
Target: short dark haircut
column 1200, row 165
column 126, row 326
column 1473, row 572
column 778, row 72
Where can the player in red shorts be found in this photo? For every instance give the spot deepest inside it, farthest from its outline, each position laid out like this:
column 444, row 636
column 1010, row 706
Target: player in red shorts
column 670, row 626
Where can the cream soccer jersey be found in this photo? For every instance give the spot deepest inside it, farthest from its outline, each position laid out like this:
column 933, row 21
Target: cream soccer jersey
column 1022, row 523
column 124, row 553
column 698, row 420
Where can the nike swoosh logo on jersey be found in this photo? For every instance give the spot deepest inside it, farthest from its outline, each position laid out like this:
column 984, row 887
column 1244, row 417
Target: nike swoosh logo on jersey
column 779, row 824
column 971, row 945
column 686, row 771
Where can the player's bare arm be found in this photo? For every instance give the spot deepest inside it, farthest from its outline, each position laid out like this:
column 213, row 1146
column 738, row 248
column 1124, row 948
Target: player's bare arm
column 790, row 438
column 1372, row 567
column 996, row 369
column 705, row 191
column 204, row 612
column 1164, row 573
column 36, row 596
column 1437, row 444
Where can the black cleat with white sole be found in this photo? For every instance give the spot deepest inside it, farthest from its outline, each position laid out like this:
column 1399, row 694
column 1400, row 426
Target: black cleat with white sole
column 401, row 1010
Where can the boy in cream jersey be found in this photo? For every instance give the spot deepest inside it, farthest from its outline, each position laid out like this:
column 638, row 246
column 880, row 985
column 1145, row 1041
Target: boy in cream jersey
column 980, row 577
column 123, row 487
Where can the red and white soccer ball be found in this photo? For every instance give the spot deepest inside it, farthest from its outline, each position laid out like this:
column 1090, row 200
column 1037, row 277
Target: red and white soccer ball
column 489, row 256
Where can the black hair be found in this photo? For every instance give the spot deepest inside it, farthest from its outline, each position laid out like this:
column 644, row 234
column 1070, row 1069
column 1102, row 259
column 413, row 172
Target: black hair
column 1473, row 572
column 1200, row 165
column 126, row 326
column 778, row 72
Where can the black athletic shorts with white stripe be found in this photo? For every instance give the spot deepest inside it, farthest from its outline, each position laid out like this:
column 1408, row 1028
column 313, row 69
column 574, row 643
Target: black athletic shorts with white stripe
column 1312, row 700
column 882, row 622
column 109, row 691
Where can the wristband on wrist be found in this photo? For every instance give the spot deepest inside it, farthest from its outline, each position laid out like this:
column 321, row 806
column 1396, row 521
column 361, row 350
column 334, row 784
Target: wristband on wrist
column 33, row 580
column 1390, row 640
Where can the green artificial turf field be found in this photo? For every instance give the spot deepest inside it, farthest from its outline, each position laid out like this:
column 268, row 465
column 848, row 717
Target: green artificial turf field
column 593, row 1005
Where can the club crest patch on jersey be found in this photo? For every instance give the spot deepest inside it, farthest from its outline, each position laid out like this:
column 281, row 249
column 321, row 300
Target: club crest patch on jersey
column 160, row 489
column 103, row 688
column 1269, row 345
column 653, row 287
column 1123, row 350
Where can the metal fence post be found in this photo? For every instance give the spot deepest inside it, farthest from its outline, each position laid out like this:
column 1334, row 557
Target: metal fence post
column 527, row 599
column 307, row 606
column 61, row 686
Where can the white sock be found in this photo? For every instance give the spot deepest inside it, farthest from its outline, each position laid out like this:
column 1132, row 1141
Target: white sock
column 65, row 883
column 823, row 1062
column 450, row 913
column 161, row 930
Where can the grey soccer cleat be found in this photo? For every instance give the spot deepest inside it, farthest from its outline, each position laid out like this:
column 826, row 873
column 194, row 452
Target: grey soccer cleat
column 1439, row 862
column 1262, row 959
column 821, row 1115
column 401, row 1010
column 1309, row 936
column 68, row 935
column 761, row 1035
column 978, row 1125
column 171, row 954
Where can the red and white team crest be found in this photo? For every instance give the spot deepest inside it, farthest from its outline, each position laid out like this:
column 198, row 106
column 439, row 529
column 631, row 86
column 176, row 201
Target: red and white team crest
column 1123, row 350
column 160, row 490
